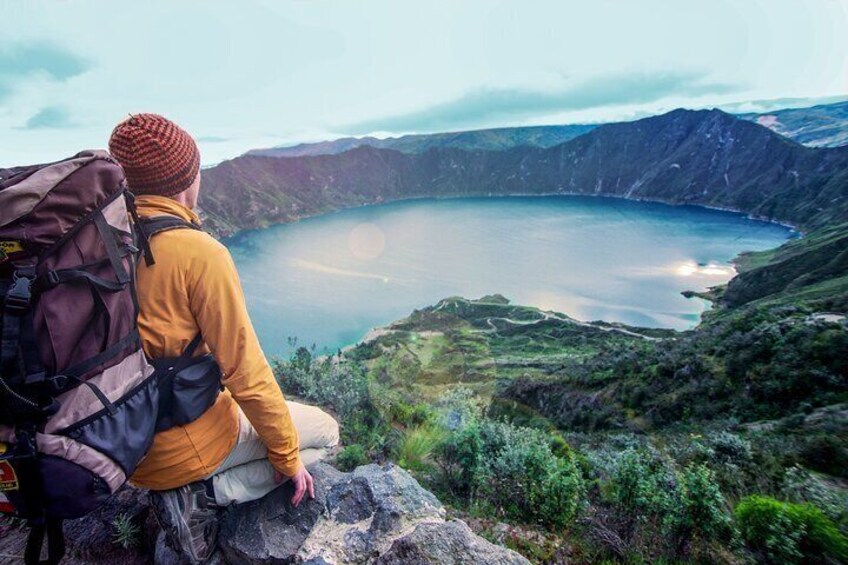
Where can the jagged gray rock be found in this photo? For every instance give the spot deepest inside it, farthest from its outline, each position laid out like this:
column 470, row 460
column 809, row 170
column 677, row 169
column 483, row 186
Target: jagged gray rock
column 446, row 543
column 372, row 515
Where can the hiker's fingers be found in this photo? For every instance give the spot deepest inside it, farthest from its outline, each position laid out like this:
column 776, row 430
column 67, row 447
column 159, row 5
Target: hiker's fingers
column 300, row 487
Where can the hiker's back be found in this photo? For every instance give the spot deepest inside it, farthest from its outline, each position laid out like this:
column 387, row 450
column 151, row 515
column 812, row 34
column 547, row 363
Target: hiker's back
column 170, row 300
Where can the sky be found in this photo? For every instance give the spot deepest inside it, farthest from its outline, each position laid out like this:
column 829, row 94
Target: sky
column 248, row 74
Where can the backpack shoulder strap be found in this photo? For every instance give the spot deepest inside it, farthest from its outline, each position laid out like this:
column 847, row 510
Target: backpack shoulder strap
column 157, row 224
column 151, row 225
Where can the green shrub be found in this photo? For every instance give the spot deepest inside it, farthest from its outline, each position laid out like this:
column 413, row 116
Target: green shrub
column 341, row 386
column 518, row 476
column 826, row 453
column 703, row 511
column 799, row 485
column 351, row 457
column 643, row 485
column 785, row 532
column 458, row 457
column 673, row 512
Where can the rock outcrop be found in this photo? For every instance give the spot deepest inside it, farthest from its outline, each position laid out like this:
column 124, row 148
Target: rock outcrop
column 374, row 514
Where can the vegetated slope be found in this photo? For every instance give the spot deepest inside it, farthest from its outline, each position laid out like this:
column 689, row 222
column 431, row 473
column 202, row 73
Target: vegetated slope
column 776, row 344
column 825, row 125
column 485, row 139
column 490, row 403
column 813, row 268
column 683, row 157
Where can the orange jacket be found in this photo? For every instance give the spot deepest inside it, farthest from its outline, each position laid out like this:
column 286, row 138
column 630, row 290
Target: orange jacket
column 194, row 286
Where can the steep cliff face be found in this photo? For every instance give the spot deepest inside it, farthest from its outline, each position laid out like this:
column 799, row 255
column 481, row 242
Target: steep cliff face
column 683, row 157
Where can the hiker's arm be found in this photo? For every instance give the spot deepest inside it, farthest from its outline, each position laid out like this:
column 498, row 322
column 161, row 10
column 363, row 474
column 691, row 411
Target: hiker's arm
column 217, row 302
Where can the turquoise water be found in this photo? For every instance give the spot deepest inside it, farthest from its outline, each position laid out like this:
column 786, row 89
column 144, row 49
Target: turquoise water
column 328, row 280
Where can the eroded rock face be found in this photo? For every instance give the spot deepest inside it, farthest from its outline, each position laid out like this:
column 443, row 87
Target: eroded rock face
column 372, row 515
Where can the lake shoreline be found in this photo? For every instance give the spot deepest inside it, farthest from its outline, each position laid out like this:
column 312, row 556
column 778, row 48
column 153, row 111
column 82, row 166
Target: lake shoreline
column 260, row 245
column 793, row 227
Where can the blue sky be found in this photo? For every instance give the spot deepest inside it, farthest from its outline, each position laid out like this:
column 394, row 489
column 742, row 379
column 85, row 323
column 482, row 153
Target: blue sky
column 240, row 75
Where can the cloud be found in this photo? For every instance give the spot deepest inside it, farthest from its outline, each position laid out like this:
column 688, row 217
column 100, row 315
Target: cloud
column 23, row 61
column 212, row 139
column 490, row 106
column 52, row 117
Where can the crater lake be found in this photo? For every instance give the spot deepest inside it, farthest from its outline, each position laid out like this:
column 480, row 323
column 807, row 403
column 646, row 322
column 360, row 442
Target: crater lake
column 327, row 280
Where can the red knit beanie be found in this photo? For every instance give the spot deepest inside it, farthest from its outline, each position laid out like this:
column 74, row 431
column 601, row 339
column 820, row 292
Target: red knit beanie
column 158, row 156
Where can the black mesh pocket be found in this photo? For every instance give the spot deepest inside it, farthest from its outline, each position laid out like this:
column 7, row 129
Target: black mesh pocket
column 124, row 431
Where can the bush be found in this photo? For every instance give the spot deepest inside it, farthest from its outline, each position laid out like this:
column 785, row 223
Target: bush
column 352, row 457
column 644, row 486
column 827, row 454
column 784, row 532
column 670, row 510
column 512, row 472
column 703, row 511
column 341, row 386
column 799, row 485
column 458, row 457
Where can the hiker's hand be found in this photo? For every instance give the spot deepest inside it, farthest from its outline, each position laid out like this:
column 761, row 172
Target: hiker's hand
column 302, row 482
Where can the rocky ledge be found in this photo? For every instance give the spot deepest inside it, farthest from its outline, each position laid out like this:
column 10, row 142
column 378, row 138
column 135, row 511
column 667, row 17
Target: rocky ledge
column 375, row 515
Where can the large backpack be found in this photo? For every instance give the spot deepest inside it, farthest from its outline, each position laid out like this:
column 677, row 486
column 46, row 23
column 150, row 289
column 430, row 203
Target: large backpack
column 79, row 402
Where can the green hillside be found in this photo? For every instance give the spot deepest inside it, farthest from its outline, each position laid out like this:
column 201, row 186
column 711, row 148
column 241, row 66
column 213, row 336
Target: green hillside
column 579, row 442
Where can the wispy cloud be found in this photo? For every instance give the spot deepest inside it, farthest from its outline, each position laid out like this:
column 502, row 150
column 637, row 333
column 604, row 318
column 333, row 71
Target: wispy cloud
column 19, row 62
column 488, row 106
column 52, row 117
column 212, row 139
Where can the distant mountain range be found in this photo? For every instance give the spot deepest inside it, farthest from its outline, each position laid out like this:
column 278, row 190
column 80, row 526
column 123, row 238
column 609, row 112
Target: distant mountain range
column 819, row 126
column 705, row 157
column 496, row 139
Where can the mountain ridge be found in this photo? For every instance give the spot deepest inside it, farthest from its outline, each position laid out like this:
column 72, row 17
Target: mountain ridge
column 824, row 125
column 701, row 157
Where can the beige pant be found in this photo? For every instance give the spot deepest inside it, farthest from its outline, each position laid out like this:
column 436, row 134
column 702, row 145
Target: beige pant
column 246, row 474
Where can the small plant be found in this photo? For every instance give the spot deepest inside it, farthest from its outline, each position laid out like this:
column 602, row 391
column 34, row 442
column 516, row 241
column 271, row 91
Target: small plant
column 415, row 450
column 126, row 533
column 352, row 457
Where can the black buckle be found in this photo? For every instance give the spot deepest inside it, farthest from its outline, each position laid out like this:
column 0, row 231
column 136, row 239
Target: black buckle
column 52, row 278
column 19, row 294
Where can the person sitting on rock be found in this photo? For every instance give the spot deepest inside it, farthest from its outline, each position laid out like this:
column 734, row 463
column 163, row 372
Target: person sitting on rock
column 251, row 439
